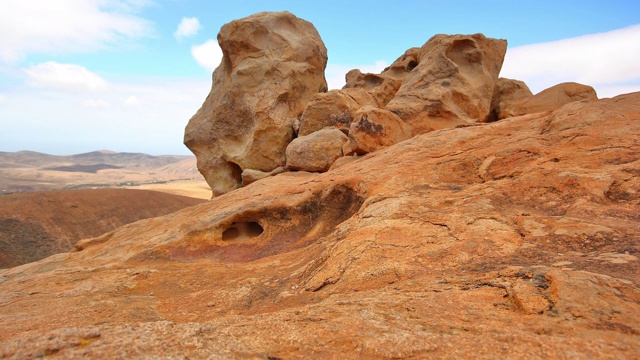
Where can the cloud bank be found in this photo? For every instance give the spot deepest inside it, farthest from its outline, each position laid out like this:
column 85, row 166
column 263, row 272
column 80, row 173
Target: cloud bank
column 609, row 61
column 64, row 77
column 34, row 26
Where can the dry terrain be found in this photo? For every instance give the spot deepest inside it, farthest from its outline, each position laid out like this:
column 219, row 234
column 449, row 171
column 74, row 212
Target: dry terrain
column 34, row 225
column 31, row 171
column 50, row 202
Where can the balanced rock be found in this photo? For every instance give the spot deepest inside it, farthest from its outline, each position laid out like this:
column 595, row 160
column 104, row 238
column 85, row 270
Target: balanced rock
column 375, row 128
column 450, row 83
column 334, row 108
column 316, row 151
column 246, row 122
column 507, row 93
column 550, row 99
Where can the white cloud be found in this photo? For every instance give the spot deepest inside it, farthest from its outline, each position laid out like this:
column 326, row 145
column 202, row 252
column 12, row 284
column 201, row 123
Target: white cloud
column 63, row 26
column 188, row 27
column 73, row 123
column 3, row 99
column 605, row 61
column 64, row 77
column 208, row 55
column 335, row 73
column 95, row 103
column 132, row 101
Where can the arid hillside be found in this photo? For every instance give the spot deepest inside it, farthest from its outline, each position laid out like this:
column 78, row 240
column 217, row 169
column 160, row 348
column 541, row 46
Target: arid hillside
column 35, row 225
column 32, row 171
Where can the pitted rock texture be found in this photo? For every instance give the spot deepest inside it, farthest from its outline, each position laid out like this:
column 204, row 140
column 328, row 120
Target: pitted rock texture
column 512, row 239
column 246, row 122
column 450, row 83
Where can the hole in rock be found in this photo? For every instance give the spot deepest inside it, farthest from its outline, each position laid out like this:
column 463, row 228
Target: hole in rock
column 243, row 230
column 236, row 172
column 412, row 65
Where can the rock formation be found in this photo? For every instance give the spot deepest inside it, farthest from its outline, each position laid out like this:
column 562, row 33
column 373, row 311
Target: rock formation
column 335, row 108
column 549, row 99
column 374, row 129
column 451, row 84
column 246, row 122
column 316, row 151
column 506, row 94
column 512, row 239
column 516, row 238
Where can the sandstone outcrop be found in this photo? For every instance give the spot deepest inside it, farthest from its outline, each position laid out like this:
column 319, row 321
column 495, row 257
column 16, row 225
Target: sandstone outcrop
column 550, row 99
column 507, row 93
column 511, row 239
column 335, row 108
column 451, row 82
column 247, row 122
column 374, row 129
column 316, row 151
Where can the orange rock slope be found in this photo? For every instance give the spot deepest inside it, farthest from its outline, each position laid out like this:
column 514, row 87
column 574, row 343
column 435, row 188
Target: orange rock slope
column 513, row 239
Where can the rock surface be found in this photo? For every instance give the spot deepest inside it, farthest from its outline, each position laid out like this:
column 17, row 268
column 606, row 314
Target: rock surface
column 550, row 99
column 374, row 129
column 450, row 82
column 316, row 151
column 335, row 108
column 506, row 94
column 247, row 122
column 513, row 239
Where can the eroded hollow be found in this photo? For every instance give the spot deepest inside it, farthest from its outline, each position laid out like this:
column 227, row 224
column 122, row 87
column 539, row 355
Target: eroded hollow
column 254, row 233
column 242, row 230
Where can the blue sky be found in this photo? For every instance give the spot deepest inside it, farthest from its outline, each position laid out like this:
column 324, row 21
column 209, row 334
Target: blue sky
column 83, row 75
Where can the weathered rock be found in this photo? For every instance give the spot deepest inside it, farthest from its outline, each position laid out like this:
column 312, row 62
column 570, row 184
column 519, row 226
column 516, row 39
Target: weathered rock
column 335, row 108
column 316, row 151
column 509, row 239
column 550, row 99
column 250, row 176
column 246, row 122
column 381, row 87
column 507, row 93
column 374, row 129
column 343, row 161
column 451, row 82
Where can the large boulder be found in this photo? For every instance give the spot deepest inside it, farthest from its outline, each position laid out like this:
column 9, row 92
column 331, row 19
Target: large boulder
column 550, row 99
column 374, row 129
column 316, row 151
column 450, row 81
column 335, row 108
column 246, row 122
column 506, row 94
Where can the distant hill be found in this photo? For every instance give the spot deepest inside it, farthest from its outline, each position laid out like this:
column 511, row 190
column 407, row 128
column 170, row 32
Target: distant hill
column 35, row 225
column 33, row 171
column 121, row 159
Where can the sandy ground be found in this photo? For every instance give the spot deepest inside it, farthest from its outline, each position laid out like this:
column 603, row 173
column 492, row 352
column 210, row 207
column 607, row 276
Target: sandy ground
column 191, row 188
